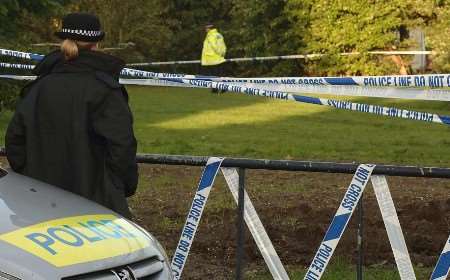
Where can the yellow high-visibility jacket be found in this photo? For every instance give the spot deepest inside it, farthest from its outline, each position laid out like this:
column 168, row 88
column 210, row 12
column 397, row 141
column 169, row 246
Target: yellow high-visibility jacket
column 214, row 48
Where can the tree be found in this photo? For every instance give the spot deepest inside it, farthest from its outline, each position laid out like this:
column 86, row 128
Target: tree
column 262, row 28
column 22, row 23
column 340, row 26
column 436, row 33
column 21, row 19
column 139, row 22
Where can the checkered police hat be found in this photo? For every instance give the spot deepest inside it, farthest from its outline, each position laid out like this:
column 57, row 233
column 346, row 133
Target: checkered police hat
column 81, row 27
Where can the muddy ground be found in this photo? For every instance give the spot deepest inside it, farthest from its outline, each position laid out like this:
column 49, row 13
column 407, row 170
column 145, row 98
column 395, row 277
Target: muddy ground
column 296, row 209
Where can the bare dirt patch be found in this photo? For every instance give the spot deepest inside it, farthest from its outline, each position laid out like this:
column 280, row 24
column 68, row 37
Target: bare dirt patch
column 296, row 208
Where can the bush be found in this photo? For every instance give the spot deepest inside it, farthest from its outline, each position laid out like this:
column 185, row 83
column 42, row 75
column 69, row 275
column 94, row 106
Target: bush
column 9, row 93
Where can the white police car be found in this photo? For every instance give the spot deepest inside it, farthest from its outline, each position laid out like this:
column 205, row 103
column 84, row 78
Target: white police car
column 47, row 233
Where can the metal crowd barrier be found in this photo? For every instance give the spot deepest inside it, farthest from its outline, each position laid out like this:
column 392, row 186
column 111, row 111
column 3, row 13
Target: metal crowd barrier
column 290, row 165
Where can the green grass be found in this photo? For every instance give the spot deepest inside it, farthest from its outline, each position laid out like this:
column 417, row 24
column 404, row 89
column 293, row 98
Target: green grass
column 193, row 121
column 341, row 270
column 196, row 122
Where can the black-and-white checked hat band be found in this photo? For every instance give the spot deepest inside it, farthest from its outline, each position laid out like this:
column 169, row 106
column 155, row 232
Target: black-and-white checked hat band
column 81, row 27
column 91, row 33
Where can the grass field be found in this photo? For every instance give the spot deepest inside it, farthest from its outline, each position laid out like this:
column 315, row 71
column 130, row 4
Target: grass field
column 192, row 121
column 196, row 122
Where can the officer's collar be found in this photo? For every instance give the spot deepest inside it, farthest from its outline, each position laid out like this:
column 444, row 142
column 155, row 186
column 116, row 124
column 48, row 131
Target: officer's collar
column 86, row 61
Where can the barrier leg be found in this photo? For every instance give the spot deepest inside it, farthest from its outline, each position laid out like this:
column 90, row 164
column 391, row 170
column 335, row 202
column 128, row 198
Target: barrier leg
column 339, row 222
column 393, row 228
column 240, row 225
column 194, row 215
column 359, row 268
column 256, row 227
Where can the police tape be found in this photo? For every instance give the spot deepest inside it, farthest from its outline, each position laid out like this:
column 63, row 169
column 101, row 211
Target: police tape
column 154, row 75
column 338, row 104
column 393, row 228
column 125, row 71
column 346, row 105
column 355, row 91
column 194, row 215
column 358, row 91
column 442, row 269
column 17, row 66
column 256, row 227
column 430, row 80
column 24, row 55
column 339, row 223
column 426, row 80
column 279, row 57
column 17, row 77
column 141, row 82
column 152, row 82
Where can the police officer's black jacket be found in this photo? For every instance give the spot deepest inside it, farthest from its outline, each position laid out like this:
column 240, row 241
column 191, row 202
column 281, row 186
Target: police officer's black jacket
column 73, row 129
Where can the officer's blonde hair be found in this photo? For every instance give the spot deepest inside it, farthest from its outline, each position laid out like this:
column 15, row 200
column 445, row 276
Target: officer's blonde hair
column 70, row 48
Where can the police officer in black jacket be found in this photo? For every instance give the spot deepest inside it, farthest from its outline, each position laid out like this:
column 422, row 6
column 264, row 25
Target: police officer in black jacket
column 73, row 127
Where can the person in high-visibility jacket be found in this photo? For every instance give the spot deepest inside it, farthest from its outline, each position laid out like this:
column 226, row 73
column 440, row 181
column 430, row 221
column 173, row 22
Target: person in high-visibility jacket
column 213, row 53
column 214, row 47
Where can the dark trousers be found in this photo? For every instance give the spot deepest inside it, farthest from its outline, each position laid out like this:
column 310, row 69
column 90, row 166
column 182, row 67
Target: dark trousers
column 212, row 70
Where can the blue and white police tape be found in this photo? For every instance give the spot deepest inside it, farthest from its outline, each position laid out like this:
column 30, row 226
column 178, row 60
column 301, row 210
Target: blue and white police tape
column 123, row 81
column 125, row 71
column 434, row 81
column 339, row 223
column 17, row 77
column 359, row 91
column 17, row 66
column 403, row 93
column 24, row 55
column 393, row 228
column 346, row 105
column 194, row 215
column 429, row 80
column 386, row 92
column 339, row 104
column 279, row 57
column 442, row 269
column 152, row 82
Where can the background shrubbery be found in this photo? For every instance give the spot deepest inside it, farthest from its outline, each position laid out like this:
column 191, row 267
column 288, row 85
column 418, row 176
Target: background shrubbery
column 157, row 30
column 9, row 91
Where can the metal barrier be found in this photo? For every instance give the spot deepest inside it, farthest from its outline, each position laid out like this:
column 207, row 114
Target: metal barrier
column 290, row 165
column 293, row 165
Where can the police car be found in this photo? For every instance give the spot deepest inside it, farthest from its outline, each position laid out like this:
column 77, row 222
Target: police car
column 47, row 233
